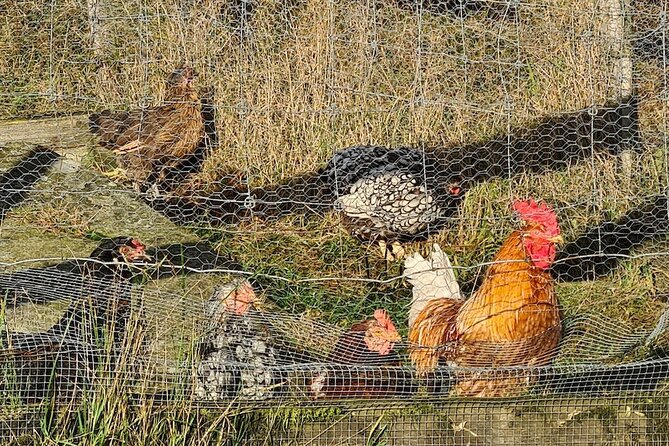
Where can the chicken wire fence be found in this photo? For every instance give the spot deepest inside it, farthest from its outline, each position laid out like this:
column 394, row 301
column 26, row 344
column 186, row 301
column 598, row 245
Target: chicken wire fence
column 167, row 347
column 328, row 193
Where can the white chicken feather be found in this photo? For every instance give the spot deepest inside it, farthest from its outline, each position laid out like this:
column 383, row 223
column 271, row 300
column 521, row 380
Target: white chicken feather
column 432, row 278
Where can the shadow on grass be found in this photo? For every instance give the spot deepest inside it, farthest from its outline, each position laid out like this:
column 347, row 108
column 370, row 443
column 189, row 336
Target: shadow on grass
column 554, row 144
column 599, row 250
column 15, row 184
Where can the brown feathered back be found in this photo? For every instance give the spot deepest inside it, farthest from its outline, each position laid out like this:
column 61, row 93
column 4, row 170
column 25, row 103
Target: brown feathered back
column 351, row 348
column 383, row 380
column 148, row 139
column 516, row 302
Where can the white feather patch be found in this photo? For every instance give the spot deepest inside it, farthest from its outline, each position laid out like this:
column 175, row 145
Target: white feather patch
column 432, row 278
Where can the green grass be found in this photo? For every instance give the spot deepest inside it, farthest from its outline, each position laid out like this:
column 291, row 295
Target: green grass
column 318, row 76
column 310, row 267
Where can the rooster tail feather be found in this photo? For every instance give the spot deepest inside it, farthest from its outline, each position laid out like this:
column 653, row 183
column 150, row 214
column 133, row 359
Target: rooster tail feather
column 431, row 278
column 433, row 333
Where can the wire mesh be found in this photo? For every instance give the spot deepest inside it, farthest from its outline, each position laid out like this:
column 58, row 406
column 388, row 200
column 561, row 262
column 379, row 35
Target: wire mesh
column 338, row 244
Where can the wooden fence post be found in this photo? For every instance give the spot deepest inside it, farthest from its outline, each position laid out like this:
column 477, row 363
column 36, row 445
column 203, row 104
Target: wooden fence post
column 616, row 32
column 96, row 28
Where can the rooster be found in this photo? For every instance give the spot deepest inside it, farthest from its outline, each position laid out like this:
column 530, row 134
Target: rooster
column 512, row 319
column 150, row 140
column 371, row 344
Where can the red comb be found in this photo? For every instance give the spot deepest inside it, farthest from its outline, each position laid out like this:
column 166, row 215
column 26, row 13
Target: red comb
column 137, row 244
column 383, row 319
column 530, row 210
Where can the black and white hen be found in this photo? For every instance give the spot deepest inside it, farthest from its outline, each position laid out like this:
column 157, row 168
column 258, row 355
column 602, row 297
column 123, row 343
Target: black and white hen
column 394, row 195
column 237, row 352
column 385, row 195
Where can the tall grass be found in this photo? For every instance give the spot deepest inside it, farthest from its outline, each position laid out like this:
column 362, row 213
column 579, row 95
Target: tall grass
column 313, row 77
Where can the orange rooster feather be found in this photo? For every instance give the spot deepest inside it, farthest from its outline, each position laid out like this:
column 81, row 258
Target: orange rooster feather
column 512, row 319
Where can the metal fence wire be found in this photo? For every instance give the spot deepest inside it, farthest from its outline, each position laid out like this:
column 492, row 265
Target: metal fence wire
column 329, row 222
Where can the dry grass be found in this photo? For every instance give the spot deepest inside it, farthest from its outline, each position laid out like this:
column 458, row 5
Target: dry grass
column 317, row 76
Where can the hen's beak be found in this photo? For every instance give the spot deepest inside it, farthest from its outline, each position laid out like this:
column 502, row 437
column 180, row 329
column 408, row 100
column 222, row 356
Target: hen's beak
column 557, row 239
column 139, row 255
column 132, row 255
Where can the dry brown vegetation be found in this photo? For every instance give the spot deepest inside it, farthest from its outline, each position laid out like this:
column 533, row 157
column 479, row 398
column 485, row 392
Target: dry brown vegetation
column 316, row 76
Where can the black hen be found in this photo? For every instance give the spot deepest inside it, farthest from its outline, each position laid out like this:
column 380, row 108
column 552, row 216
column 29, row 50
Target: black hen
column 114, row 258
column 66, row 358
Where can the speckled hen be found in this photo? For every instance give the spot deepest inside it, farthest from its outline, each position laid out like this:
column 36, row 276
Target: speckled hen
column 392, row 195
column 237, row 353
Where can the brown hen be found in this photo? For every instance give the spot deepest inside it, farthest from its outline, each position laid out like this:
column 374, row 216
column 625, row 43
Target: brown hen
column 370, row 344
column 149, row 140
column 512, row 319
